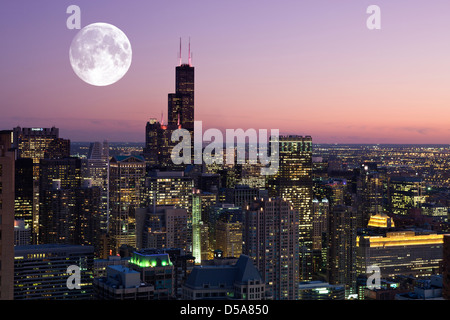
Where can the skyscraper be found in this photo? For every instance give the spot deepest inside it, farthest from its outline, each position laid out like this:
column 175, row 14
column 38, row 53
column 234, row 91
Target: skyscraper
column 127, row 176
column 271, row 239
column 181, row 103
column 98, row 172
column 6, row 216
column 161, row 227
column 37, row 144
column 293, row 183
column 342, row 247
column 58, row 180
column 180, row 114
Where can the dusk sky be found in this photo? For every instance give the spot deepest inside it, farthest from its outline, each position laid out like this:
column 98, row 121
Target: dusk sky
column 303, row 67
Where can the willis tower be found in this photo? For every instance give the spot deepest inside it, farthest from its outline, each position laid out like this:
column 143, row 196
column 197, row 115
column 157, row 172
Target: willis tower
column 158, row 144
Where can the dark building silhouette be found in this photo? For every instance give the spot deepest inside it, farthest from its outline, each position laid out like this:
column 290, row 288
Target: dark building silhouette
column 158, row 144
column 6, row 216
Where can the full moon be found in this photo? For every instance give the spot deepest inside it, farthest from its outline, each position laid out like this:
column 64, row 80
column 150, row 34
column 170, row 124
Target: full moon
column 100, row 54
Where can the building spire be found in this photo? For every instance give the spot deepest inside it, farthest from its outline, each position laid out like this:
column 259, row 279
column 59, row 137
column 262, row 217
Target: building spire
column 180, row 52
column 190, row 64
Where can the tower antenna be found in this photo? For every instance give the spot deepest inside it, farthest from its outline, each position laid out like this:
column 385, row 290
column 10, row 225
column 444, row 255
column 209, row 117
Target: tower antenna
column 190, row 65
column 180, row 51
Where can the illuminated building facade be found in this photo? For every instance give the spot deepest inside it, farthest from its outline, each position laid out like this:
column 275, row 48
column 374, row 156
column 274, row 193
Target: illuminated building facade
column 229, row 229
column 201, row 204
column 36, row 144
column 321, row 211
column 341, row 247
column 318, row 290
column 161, row 227
column 155, row 269
column 405, row 193
column 58, row 180
column 126, row 193
column 293, row 183
column 40, row 272
column 24, row 186
column 169, row 188
column 22, row 233
column 400, row 253
column 271, row 239
column 98, row 172
column 6, row 215
column 371, row 192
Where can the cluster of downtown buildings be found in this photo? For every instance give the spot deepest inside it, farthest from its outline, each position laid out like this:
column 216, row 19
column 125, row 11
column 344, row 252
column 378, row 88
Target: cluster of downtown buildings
column 140, row 227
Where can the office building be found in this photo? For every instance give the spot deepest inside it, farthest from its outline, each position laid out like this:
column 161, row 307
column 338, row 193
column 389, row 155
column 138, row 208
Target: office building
column 405, row 193
column 24, row 187
column 342, row 247
column 293, row 183
column 239, row 281
column 161, row 227
column 271, row 239
column 201, row 204
column 180, row 114
column 98, row 172
column 126, row 194
column 321, row 212
column 122, row 283
column 22, row 233
column 41, row 272
column 319, row 290
column 155, row 269
column 228, row 233
column 403, row 252
column 425, row 289
column 34, row 143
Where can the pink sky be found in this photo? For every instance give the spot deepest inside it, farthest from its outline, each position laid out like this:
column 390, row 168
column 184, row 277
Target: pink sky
column 304, row 67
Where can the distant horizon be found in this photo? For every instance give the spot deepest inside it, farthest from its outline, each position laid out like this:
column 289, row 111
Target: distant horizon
column 314, row 143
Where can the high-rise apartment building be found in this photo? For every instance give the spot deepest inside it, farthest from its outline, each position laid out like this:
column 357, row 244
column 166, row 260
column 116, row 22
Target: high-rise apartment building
column 342, row 247
column 24, row 187
column 228, row 230
column 293, row 183
column 126, row 194
column 161, row 227
column 58, row 180
column 271, row 239
column 98, row 171
column 7, row 157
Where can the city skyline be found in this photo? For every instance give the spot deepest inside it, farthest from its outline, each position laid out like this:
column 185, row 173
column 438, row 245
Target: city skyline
column 307, row 69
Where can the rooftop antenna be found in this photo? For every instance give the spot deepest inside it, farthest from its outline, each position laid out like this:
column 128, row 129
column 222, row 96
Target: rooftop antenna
column 180, row 51
column 190, row 65
column 162, row 119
